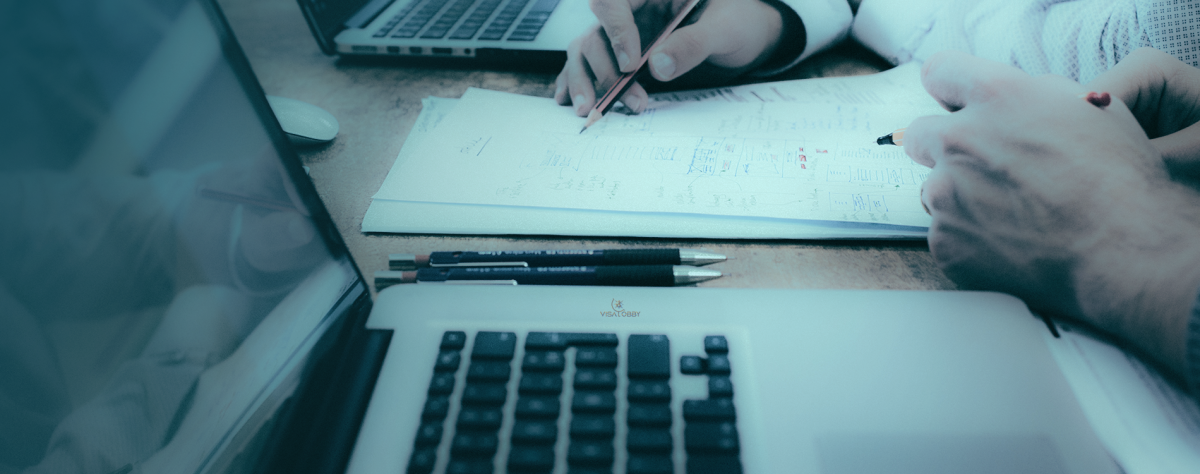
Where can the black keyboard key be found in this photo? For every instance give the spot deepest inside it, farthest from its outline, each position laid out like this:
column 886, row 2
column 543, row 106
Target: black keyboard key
column 546, row 341
column 422, row 461
column 716, row 345
column 649, row 414
column 711, row 437
column 713, row 464
column 595, row 379
column 646, row 440
column 492, row 34
column 714, row 409
column 590, row 452
column 442, row 383
column 594, row 402
column 480, row 418
column 488, row 394
column 435, row 32
column 469, row 466
column 593, row 339
column 488, row 371
column 543, row 361
column 436, row 408
column 650, row 464
column 537, row 407
column 592, row 426
column 595, row 357
column 531, row 459
column 718, row 364
column 464, row 31
column 406, row 32
column 454, row 340
column 649, row 356
column 473, row 443
column 720, row 387
column 691, row 365
column 540, row 383
column 535, row 432
column 494, row 345
column 429, row 434
column 649, row 391
column 447, row 361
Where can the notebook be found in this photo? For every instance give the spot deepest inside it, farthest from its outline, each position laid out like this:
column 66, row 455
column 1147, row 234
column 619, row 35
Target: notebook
column 232, row 332
column 488, row 30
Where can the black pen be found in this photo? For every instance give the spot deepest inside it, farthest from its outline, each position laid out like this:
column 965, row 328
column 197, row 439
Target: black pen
column 617, row 275
column 554, row 258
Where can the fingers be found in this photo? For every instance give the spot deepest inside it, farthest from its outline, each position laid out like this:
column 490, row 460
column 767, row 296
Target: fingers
column 720, row 38
column 616, row 17
column 1162, row 92
column 1139, row 80
column 589, row 68
column 956, row 79
column 925, row 139
column 636, row 98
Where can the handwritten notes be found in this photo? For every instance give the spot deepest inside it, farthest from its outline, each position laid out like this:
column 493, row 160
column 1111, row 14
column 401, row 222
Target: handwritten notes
column 788, row 150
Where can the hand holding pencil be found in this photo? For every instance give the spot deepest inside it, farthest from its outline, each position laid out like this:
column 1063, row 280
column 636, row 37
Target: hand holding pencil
column 732, row 35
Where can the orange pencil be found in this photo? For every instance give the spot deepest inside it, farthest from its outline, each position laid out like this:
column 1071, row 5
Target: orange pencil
column 609, row 98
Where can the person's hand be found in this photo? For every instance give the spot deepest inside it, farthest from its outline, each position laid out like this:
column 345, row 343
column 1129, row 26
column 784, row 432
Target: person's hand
column 1040, row 194
column 733, row 35
column 1164, row 95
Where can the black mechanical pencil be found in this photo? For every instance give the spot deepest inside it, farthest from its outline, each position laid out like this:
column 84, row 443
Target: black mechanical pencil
column 617, row 275
column 554, row 258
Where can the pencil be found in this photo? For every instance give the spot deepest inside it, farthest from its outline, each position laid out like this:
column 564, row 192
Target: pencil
column 609, row 98
column 894, row 138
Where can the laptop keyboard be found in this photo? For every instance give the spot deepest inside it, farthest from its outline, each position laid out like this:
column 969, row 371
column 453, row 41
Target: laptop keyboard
column 577, row 399
column 433, row 19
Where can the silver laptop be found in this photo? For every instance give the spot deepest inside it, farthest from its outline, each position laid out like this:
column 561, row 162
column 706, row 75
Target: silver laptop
column 489, row 30
column 179, row 300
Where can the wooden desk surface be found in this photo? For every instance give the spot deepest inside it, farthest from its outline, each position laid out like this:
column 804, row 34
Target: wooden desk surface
column 377, row 105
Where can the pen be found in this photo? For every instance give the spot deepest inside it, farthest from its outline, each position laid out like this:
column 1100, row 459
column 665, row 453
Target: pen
column 609, row 98
column 617, row 275
column 894, row 138
column 554, row 258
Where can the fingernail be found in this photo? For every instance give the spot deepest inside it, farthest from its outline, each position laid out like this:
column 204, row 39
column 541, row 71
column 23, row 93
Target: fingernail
column 634, row 103
column 623, row 60
column 558, row 92
column 579, row 100
column 663, row 65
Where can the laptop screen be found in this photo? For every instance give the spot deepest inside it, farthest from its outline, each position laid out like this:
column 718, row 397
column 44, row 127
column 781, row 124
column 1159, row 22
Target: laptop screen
column 165, row 265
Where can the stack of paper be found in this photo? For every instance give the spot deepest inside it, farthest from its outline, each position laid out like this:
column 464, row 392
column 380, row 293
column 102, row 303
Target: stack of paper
column 793, row 159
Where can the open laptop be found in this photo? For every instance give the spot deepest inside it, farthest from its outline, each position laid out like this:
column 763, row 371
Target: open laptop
column 175, row 298
column 495, row 31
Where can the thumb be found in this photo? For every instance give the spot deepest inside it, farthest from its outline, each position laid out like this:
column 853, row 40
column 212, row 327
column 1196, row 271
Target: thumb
column 683, row 50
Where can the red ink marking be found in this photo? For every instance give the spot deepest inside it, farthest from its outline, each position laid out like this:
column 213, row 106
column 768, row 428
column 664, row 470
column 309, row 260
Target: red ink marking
column 1099, row 99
